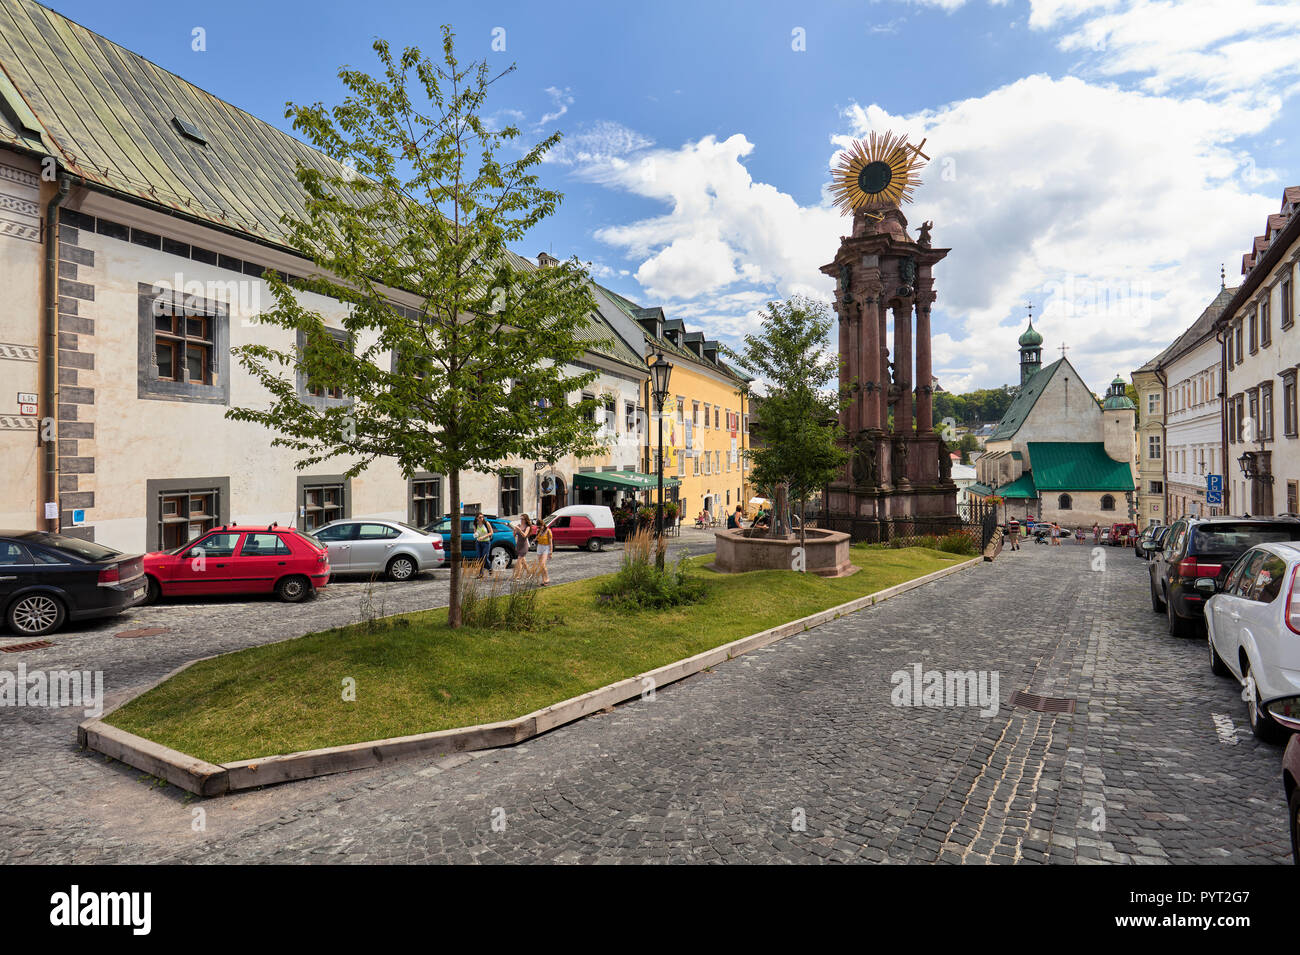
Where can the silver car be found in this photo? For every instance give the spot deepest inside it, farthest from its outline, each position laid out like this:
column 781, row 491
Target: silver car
column 374, row 546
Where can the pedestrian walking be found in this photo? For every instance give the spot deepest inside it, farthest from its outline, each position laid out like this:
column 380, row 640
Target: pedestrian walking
column 1056, row 535
column 544, row 552
column 482, row 542
column 524, row 532
column 1013, row 534
column 1096, row 534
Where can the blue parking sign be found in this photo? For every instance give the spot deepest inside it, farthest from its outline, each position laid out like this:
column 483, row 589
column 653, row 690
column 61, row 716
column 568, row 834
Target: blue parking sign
column 1214, row 483
column 1213, row 497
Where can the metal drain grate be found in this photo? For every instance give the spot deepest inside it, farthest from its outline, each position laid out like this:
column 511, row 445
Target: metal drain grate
column 34, row 645
column 1042, row 704
column 145, row 632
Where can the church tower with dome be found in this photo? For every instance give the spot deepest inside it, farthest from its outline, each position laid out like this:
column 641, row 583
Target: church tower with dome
column 1031, row 351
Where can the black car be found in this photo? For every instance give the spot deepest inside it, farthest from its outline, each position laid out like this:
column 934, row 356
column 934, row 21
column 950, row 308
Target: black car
column 1196, row 548
column 47, row 579
column 1152, row 539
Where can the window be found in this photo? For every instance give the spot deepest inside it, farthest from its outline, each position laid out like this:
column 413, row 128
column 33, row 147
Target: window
column 1107, row 502
column 184, row 515
column 218, row 545
column 681, row 464
column 264, row 545
column 1284, row 303
column 1157, row 487
column 681, row 409
column 1153, row 403
column 1292, row 497
column 1265, row 323
column 321, row 501
column 1253, row 320
column 184, row 346
column 631, row 418
column 377, row 532
column 1236, row 342
column 1252, row 423
column 425, row 505
column 715, row 416
column 611, row 418
column 695, row 465
column 1266, row 412
column 695, row 413
column 322, row 393
column 1153, row 447
column 1063, row 503
column 510, row 493
column 1289, row 404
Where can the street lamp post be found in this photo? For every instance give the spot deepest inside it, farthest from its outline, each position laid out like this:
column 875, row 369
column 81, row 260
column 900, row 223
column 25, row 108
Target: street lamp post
column 661, row 371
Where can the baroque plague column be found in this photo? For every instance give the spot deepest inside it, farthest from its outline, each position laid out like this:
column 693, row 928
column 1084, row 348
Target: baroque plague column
column 898, row 480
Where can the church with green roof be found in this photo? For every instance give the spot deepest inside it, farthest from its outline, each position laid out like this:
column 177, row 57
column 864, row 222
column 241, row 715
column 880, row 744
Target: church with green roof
column 1058, row 454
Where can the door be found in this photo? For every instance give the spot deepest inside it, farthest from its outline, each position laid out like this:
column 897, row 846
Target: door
column 562, row 530
column 337, row 539
column 581, row 530
column 1226, row 614
column 17, row 569
column 373, row 544
column 207, row 567
column 261, row 561
column 1260, row 586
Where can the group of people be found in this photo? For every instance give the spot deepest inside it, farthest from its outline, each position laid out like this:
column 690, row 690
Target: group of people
column 528, row 536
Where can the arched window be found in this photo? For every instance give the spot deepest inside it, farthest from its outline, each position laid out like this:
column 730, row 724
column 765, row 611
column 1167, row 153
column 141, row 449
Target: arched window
column 1107, row 502
column 1064, row 503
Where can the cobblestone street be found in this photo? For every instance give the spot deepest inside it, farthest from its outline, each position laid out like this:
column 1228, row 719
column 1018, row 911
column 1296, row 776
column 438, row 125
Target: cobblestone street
column 791, row 753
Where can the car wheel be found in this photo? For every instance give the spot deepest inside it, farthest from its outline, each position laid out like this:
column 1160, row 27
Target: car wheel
column 1294, row 808
column 499, row 558
column 293, row 589
column 1217, row 666
column 154, row 592
column 401, row 568
column 35, row 615
column 1261, row 724
column 1157, row 605
column 594, row 544
column 1178, row 626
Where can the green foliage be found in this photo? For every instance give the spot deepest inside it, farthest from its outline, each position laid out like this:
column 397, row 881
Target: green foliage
column 975, row 407
column 798, row 417
column 640, row 584
column 503, row 604
column 468, row 367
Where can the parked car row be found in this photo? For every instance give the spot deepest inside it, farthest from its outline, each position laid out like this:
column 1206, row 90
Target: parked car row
column 1239, row 578
column 48, row 579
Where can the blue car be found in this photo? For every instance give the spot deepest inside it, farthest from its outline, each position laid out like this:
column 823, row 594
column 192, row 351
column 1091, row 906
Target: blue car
column 502, row 554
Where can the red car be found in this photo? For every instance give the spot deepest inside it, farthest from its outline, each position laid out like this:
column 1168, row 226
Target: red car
column 240, row 560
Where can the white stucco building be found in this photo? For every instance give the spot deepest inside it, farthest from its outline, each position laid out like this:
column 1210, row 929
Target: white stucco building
column 1261, row 357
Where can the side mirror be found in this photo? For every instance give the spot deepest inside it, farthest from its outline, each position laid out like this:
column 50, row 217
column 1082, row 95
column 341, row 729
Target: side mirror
column 1207, row 585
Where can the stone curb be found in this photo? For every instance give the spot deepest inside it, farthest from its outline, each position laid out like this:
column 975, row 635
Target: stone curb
column 207, row 779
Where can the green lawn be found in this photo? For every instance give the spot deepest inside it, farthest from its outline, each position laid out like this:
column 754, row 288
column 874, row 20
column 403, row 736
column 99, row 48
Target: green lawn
column 423, row 677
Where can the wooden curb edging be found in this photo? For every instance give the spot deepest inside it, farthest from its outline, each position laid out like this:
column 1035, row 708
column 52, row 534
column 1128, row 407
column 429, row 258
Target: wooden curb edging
column 208, row 779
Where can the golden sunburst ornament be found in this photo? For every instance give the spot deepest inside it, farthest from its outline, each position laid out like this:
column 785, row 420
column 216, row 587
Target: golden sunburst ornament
column 877, row 172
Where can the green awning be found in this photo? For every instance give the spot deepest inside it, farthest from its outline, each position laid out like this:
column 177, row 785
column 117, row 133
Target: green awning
column 623, row 480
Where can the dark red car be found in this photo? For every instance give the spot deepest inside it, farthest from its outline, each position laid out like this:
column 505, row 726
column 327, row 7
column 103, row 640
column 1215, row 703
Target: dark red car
column 1291, row 786
column 240, row 560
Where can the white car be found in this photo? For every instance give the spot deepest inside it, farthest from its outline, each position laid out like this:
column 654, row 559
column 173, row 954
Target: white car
column 376, row 546
column 1253, row 627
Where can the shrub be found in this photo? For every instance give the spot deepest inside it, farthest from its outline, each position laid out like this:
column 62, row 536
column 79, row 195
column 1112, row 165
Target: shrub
column 640, row 585
column 503, row 604
column 957, row 543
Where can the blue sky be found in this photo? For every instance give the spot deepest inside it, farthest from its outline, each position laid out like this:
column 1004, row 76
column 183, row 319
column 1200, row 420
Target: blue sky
column 1099, row 157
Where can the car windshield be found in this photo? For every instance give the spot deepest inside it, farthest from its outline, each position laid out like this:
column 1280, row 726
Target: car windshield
column 1234, row 538
column 86, row 550
column 408, row 527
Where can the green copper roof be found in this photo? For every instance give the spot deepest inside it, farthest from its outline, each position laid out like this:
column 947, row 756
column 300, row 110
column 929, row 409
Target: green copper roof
column 1030, row 338
column 1024, row 402
column 1021, row 487
column 1118, row 403
column 1078, row 466
column 983, row 490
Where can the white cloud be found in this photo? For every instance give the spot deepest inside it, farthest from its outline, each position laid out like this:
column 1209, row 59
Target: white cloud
column 1110, row 208
column 562, row 100
column 598, row 143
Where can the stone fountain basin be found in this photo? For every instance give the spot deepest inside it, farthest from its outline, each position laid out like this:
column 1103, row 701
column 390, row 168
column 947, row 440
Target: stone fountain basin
column 826, row 552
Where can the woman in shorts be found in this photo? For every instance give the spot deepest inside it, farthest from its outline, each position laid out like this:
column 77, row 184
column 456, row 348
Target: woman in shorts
column 544, row 540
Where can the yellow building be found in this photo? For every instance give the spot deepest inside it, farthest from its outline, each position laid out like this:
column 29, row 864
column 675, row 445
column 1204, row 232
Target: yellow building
column 706, row 418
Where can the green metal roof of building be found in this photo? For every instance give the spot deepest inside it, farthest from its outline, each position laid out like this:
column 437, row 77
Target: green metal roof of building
column 1077, row 466
column 1030, row 337
column 623, row 480
column 983, row 490
column 1024, row 402
column 1021, row 487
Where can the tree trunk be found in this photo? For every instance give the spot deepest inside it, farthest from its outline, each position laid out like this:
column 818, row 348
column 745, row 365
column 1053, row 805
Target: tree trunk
column 803, row 526
column 781, row 513
column 454, row 554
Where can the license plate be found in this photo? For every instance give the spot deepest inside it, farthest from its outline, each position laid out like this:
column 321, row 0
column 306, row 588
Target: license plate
column 138, row 592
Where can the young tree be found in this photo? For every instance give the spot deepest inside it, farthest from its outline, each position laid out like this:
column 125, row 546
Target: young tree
column 420, row 203
column 798, row 416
